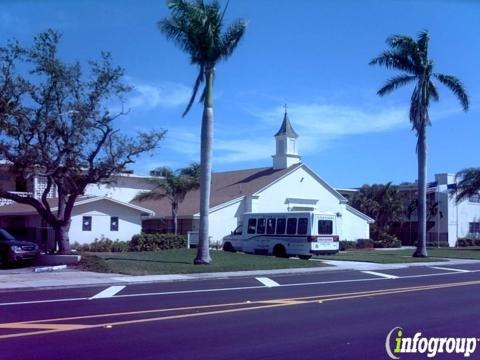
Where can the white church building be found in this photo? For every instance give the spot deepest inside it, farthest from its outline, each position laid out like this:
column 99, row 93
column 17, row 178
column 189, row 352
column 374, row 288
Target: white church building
column 288, row 185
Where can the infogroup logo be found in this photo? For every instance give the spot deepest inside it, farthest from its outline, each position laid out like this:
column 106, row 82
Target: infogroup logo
column 430, row 346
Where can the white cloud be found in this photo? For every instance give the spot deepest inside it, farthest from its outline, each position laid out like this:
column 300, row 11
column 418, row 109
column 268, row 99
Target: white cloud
column 242, row 150
column 165, row 95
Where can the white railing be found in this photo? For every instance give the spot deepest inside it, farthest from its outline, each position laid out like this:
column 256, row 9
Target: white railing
column 4, row 201
column 192, row 240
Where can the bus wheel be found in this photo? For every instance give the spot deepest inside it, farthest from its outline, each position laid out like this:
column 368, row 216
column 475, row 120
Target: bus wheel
column 304, row 257
column 228, row 247
column 279, row 251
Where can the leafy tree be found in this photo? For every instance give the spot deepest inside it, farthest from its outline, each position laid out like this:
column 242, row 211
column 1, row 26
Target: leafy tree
column 382, row 203
column 197, row 28
column 55, row 125
column 173, row 185
column 468, row 183
column 411, row 57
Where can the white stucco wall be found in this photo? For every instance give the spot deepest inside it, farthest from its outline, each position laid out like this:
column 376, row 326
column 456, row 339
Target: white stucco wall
column 299, row 185
column 353, row 226
column 224, row 220
column 101, row 212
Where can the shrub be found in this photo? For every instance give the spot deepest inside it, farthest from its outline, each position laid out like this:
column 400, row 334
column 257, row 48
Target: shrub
column 346, row 245
column 364, row 244
column 464, row 242
column 155, row 242
column 103, row 244
column 387, row 241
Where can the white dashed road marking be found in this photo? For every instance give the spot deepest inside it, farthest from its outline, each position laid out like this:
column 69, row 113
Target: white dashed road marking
column 108, row 292
column 267, row 282
column 450, row 269
column 386, row 276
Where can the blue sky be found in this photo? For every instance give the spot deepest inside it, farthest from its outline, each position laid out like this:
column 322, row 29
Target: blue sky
column 312, row 55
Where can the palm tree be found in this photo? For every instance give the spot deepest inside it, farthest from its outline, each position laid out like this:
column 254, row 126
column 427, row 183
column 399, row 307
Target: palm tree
column 173, row 185
column 197, row 28
column 468, row 184
column 411, row 57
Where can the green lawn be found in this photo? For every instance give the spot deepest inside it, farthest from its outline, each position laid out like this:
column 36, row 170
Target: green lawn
column 181, row 262
column 404, row 256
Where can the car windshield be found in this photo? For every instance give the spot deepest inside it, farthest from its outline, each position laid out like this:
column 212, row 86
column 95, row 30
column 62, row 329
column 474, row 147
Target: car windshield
column 5, row 235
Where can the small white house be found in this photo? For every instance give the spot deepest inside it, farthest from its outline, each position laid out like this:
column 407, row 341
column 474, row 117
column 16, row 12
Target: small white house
column 289, row 185
column 92, row 218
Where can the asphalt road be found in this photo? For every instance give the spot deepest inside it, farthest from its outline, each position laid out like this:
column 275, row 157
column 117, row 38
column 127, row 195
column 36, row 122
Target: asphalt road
column 329, row 315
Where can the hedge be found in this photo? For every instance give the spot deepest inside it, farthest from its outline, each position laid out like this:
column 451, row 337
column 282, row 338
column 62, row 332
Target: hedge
column 140, row 242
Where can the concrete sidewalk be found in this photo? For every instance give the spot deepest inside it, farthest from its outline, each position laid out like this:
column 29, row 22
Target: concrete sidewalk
column 25, row 278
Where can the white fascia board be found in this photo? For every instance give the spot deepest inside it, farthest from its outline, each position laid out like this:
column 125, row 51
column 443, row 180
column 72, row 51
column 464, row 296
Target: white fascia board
column 359, row 213
column 99, row 198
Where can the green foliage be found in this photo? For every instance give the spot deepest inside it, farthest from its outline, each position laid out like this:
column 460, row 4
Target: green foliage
column 383, row 203
column 365, row 244
column 155, row 242
column 468, row 184
column 103, row 244
column 387, row 241
column 466, row 242
column 347, row 245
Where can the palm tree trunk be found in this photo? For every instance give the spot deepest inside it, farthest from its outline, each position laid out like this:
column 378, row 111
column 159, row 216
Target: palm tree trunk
column 203, row 253
column 421, row 250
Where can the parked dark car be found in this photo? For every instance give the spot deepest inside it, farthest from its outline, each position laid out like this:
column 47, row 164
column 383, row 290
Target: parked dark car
column 13, row 250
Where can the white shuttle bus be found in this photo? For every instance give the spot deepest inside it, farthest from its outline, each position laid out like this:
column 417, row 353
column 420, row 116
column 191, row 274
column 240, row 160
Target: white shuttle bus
column 294, row 233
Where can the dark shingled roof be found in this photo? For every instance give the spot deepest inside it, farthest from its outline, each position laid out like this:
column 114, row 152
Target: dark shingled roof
column 286, row 128
column 226, row 186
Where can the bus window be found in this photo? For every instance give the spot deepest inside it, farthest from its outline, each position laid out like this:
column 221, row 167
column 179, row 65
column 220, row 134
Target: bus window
column 291, row 226
column 302, row 226
column 281, row 226
column 261, row 226
column 252, row 224
column 271, row 226
column 325, row 227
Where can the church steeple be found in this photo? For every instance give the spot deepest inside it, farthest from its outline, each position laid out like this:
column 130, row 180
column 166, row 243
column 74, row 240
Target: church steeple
column 286, row 145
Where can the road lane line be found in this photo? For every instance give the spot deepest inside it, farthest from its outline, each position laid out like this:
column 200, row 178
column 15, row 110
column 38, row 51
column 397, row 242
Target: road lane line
column 108, row 292
column 260, row 304
column 386, row 276
column 233, row 288
column 450, row 269
column 267, row 281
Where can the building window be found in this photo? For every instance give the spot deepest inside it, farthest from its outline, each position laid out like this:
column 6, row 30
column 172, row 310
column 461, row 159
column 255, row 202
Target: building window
column 325, row 227
column 291, row 226
column 281, row 226
column 302, row 226
column 261, row 226
column 114, row 223
column 87, row 223
column 475, row 198
column 474, row 228
column 252, row 224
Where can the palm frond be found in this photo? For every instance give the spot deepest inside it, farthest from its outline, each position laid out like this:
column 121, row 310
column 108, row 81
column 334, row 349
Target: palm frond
column 456, row 86
column 149, row 195
column 469, row 183
column 395, row 60
column 432, row 89
column 231, row 38
column 422, row 43
column 198, row 82
column 395, row 83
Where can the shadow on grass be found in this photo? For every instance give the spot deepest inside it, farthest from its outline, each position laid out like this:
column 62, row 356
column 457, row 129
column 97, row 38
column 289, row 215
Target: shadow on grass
column 146, row 260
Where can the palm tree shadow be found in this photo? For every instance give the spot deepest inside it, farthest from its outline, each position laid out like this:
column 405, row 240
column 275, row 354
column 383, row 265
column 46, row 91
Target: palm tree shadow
column 145, row 260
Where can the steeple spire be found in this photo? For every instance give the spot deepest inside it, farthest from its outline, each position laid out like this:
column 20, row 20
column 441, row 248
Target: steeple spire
column 286, row 128
column 286, row 148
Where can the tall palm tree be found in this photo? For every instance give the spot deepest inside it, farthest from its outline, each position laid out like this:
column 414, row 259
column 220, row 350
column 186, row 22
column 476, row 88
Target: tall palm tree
column 197, row 28
column 173, row 185
column 468, row 184
column 411, row 57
